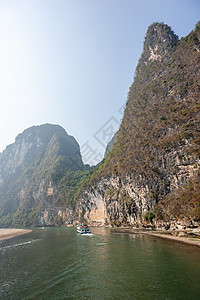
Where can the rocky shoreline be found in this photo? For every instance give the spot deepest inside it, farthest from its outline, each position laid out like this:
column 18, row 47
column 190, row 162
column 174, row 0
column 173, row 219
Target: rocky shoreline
column 184, row 237
column 10, row 233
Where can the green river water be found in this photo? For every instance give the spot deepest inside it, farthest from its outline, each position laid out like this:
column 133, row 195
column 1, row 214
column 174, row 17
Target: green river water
column 56, row 263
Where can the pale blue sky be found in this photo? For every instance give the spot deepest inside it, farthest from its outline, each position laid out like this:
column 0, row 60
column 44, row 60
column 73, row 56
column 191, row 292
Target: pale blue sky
column 71, row 62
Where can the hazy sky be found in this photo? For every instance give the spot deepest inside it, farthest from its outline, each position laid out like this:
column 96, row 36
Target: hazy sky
column 71, row 62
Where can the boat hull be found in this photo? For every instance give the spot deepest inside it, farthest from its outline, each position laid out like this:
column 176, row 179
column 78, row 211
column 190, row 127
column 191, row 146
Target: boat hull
column 83, row 232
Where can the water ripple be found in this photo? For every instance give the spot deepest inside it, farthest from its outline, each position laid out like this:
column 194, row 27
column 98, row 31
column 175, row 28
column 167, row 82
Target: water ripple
column 20, row 244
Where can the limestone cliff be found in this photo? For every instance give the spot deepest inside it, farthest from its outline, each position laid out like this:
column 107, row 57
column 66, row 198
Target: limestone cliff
column 38, row 177
column 157, row 149
column 150, row 174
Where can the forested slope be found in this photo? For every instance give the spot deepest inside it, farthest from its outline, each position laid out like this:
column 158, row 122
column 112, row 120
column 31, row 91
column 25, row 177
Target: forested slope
column 153, row 167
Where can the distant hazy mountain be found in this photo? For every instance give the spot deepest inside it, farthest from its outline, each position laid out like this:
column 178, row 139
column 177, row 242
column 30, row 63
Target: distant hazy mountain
column 36, row 174
column 110, row 145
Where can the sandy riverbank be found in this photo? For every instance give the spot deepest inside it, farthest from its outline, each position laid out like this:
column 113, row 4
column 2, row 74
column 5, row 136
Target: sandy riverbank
column 10, row 233
column 184, row 240
column 193, row 241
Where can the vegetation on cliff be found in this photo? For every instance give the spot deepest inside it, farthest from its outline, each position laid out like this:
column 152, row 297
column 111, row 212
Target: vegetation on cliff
column 41, row 171
column 160, row 132
column 151, row 168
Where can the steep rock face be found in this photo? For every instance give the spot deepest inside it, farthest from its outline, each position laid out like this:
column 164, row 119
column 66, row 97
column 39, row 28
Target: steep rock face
column 127, row 199
column 31, row 170
column 157, row 147
column 110, row 145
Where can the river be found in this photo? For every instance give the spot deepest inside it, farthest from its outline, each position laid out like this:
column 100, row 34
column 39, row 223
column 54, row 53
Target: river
column 56, row 263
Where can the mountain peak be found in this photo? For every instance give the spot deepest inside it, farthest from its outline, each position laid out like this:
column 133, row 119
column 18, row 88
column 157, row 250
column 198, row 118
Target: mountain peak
column 41, row 130
column 159, row 40
column 159, row 33
column 32, row 144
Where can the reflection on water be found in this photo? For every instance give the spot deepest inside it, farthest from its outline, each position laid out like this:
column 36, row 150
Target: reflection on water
column 57, row 263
